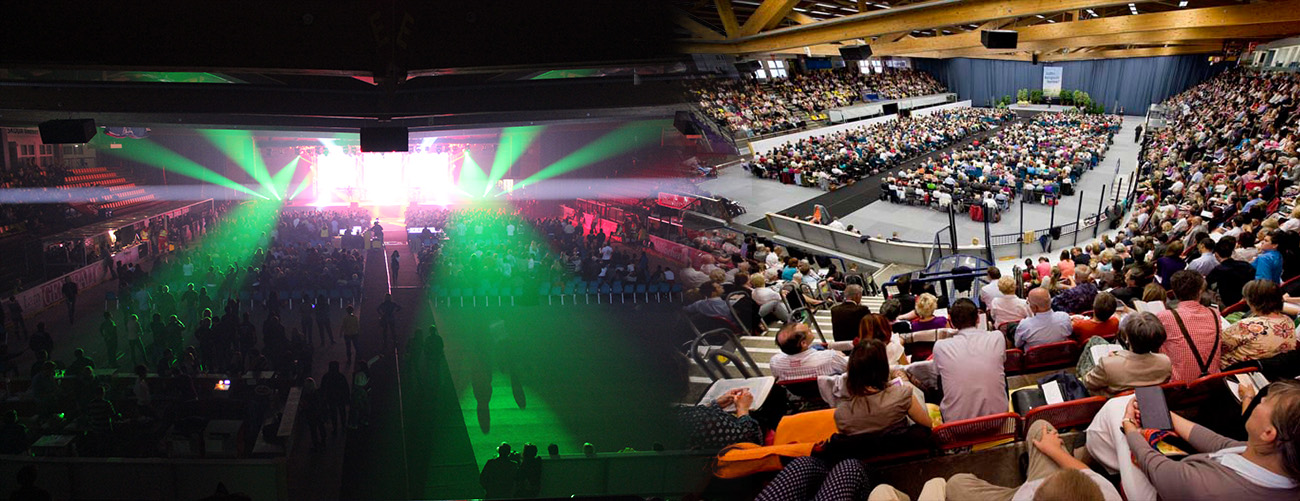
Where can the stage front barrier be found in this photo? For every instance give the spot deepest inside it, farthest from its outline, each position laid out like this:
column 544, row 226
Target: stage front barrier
column 870, row 249
column 153, row 478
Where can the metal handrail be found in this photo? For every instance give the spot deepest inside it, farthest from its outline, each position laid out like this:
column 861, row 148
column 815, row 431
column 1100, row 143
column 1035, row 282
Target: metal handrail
column 731, row 343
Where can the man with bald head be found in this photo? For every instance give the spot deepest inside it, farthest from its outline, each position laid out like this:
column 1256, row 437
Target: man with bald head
column 1046, row 326
column 799, row 359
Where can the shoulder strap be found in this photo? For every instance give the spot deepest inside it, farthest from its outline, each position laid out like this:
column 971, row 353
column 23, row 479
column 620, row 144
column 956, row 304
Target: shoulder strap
column 1201, row 363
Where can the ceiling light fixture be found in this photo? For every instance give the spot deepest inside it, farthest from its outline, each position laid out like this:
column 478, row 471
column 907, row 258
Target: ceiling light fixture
column 1183, row 3
column 1040, row 16
column 1091, row 13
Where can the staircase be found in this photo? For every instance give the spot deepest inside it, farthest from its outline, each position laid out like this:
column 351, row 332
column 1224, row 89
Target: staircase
column 122, row 192
column 763, row 348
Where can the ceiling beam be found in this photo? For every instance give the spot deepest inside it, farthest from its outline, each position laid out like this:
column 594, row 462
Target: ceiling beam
column 728, row 17
column 801, row 18
column 698, row 29
column 1148, row 52
column 913, row 17
column 767, row 15
column 1237, row 15
column 1182, row 35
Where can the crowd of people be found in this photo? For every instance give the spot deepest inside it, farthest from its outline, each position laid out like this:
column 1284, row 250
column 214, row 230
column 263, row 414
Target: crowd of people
column 1197, row 284
column 749, row 106
column 28, row 173
column 189, row 314
column 835, row 159
column 1040, row 160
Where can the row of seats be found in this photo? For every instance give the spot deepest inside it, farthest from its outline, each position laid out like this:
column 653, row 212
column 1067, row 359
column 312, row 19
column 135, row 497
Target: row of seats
column 570, row 292
column 993, row 429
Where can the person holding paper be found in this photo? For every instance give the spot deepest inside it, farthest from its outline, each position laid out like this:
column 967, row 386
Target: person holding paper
column 1266, row 466
column 1140, row 365
column 1265, row 333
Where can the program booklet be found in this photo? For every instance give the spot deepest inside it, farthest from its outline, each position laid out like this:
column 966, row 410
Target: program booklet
column 1254, row 379
column 760, row 387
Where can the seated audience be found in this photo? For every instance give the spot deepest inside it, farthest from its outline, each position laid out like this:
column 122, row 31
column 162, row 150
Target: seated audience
column 846, row 316
column 1192, row 330
column 1139, row 365
column 799, row 360
column 1046, row 326
column 870, row 403
column 1267, row 332
column 1103, row 321
column 970, row 367
column 1008, row 309
column 925, row 320
column 1265, row 466
column 1228, row 278
column 1077, row 299
column 1053, row 473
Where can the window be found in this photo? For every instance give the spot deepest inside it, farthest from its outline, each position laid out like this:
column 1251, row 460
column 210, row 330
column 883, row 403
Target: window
column 776, row 68
column 47, row 149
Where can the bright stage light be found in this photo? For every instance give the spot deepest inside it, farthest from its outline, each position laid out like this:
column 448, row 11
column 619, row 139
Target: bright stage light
column 428, row 176
column 382, row 178
column 335, row 173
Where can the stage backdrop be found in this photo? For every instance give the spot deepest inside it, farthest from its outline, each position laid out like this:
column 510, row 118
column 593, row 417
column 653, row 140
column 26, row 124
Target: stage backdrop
column 1133, row 83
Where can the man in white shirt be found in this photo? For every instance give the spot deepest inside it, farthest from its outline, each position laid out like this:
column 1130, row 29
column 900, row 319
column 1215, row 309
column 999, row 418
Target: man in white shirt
column 990, row 291
column 606, row 253
column 798, row 360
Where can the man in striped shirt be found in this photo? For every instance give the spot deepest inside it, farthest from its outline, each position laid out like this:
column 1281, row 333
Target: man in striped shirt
column 798, row 360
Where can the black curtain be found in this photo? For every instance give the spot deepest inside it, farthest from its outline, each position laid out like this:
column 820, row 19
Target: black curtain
column 1130, row 83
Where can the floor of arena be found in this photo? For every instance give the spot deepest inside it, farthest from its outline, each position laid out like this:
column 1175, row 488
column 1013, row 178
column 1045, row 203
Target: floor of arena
column 919, row 224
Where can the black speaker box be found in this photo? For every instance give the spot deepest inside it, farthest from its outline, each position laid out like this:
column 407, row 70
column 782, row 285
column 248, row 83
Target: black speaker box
column 855, row 53
column 67, row 131
column 747, row 67
column 1034, row 59
column 999, row 39
column 384, row 139
column 682, row 121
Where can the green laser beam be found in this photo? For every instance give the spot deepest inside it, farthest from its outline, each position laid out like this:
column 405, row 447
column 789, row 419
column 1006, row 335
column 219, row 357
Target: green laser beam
column 471, row 176
column 513, row 143
column 621, row 140
column 280, row 182
column 151, row 153
column 240, row 147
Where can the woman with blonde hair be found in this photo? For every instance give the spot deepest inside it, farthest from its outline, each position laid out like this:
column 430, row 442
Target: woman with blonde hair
column 925, row 320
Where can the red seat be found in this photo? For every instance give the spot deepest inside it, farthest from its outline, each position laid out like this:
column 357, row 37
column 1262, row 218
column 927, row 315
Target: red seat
column 1239, row 306
column 1051, row 356
column 968, row 432
column 1198, row 391
column 1066, row 414
column 1015, row 362
column 1172, row 389
column 805, row 389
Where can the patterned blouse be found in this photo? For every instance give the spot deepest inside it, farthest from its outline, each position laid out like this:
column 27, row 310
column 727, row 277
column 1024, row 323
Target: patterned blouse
column 710, row 427
column 1254, row 338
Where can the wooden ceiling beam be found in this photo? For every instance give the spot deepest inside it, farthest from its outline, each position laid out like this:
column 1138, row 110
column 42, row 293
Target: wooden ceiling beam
column 1147, row 52
column 1214, row 17
column 728, row 17
column 767, row 16
column 982, row 11
column 1194, row 36
column 913, row 17
column 801, row 18
column 696, row 28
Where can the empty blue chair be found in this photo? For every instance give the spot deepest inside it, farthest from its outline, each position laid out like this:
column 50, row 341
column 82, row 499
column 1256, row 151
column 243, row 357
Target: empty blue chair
column 641, row 289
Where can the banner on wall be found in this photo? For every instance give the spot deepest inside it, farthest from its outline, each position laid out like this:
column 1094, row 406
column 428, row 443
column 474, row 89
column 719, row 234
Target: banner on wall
column 1052, row 81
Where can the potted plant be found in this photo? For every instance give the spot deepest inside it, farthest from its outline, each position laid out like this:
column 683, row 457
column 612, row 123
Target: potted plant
column 1067, row 97
column 1022, row 96
column 1036, row 96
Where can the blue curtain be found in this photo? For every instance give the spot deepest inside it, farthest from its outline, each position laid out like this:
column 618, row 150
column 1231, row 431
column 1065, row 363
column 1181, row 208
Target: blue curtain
column 1129, row 83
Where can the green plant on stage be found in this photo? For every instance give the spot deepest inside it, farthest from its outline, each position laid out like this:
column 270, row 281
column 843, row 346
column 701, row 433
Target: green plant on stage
column 1067, row 96
column 1036, row 96
column 1022, row 96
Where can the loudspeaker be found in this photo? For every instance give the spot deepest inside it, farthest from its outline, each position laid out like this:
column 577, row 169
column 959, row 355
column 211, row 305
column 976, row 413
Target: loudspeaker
column 682, row 121
column 999, row 39
column 1034, row 59
column 855, row 53
column 890, row 109
column 67, row 131
column 748, row 67
column 384, row 139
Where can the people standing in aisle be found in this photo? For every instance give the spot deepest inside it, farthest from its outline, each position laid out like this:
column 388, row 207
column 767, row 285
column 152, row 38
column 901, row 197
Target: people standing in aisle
column 388, row 318
column 70, row 296
column 108, row 332
column 334, row 386
column 351, row 329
